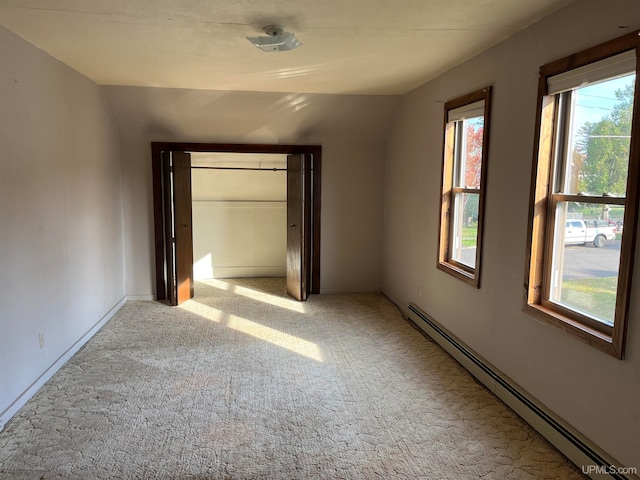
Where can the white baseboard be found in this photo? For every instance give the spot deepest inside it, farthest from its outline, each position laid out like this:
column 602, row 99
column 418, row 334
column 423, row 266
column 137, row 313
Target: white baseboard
column 588, row 457
column 25, row 396
column 140, row 297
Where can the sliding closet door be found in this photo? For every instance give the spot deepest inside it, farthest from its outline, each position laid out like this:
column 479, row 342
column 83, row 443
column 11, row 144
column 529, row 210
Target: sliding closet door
column 299, row 225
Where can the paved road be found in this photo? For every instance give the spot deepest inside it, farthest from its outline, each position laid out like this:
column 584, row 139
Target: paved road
column 580, row 261
column 587, row 261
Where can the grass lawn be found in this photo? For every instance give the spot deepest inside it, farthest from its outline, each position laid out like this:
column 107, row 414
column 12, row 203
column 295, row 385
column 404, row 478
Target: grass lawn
column 595, row 296
column 469, row 236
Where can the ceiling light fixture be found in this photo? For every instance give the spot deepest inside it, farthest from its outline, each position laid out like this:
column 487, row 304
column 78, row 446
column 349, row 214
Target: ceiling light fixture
column 277, row 40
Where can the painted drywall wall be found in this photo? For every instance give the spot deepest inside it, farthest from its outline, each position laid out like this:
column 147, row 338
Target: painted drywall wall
column 351, row 129
column 239, row 221
column 239, row 239
column 592, row 391
column 61, row 246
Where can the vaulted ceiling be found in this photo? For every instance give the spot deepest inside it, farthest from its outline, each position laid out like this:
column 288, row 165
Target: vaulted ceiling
column 349, row 46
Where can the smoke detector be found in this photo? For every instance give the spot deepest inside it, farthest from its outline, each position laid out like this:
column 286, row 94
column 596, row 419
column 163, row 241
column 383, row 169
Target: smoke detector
column 277, row 40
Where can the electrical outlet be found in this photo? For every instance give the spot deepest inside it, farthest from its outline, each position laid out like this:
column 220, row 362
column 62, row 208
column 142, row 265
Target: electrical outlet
column 41, row 339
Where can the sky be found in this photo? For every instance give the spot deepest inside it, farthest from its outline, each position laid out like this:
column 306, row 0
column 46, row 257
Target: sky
column 597, row 101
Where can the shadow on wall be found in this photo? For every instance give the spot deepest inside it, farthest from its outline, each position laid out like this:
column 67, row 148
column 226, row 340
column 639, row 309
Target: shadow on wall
column 163, row 114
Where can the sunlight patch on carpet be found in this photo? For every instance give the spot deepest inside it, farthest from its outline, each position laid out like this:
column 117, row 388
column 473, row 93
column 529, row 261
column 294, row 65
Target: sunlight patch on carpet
column 276, row 337
column 205, row 311
column 264, row 297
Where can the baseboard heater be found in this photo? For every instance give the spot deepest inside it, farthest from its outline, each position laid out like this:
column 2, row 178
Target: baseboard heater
column 589, row 458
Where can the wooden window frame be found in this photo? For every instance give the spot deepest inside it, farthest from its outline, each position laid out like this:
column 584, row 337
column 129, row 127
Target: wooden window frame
column 448, row 190
column 543, row 200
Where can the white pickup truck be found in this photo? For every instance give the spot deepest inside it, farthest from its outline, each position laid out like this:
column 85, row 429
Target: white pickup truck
column 588, row 231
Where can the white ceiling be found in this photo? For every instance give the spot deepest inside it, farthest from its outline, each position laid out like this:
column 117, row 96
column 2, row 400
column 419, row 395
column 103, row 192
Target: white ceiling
column 349, row 46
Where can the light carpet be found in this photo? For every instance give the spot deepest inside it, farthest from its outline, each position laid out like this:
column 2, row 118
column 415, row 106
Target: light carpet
column 244, row 383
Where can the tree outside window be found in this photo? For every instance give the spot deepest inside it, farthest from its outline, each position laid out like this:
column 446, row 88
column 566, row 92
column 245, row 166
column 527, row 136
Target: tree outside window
column 463, row 183
column 584, row 194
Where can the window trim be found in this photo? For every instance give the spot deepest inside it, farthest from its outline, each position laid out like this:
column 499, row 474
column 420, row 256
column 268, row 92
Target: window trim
column 448, row 191
column 608, row 340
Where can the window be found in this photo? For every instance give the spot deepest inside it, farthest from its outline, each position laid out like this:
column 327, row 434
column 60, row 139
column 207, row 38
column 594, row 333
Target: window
column 584, row 194
column 466, row 134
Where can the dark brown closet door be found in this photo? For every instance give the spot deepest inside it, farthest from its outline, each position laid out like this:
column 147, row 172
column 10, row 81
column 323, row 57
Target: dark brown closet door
column 178, row 226
column 299, row 224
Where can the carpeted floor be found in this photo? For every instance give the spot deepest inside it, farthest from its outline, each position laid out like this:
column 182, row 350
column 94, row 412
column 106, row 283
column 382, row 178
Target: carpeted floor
column 243, row 383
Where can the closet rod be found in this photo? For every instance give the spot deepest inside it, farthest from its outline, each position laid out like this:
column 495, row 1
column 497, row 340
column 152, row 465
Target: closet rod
column 243, row 168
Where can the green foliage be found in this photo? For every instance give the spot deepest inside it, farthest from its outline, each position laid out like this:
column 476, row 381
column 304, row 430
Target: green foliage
column 603, row 149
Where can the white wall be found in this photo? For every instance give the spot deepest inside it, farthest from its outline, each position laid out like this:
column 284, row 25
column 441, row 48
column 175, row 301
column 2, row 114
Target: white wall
column 351, row 129
column 61, row 245
column 239, row 222
column 594, row 392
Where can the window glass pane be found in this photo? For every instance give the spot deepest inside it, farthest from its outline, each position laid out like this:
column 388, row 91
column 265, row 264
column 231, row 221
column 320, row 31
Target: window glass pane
column 586, row 258
column 464, row 238
column 470, row 152
column 599, row 135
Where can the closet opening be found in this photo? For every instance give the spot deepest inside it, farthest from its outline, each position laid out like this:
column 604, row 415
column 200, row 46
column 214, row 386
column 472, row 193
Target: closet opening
column 234, row 211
